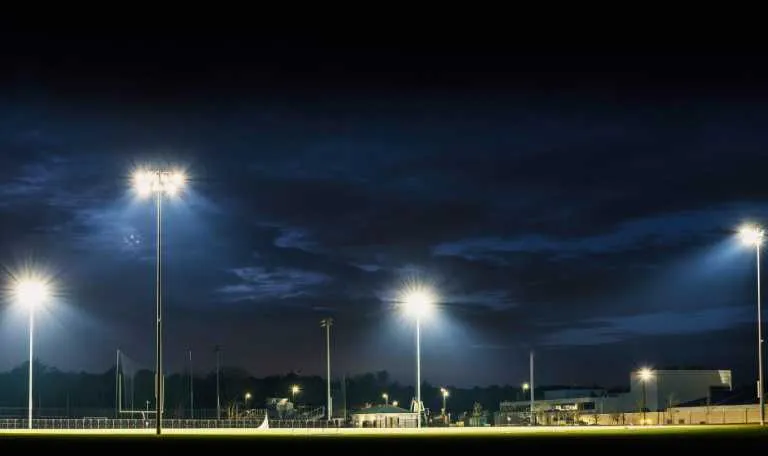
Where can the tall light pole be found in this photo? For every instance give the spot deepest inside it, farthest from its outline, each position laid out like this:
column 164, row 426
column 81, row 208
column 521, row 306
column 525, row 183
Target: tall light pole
column 327, row 323
column 31, row 293
column 753, row 236
column 191, row 388
column 159, row 183
column 217, row 349
column 294, row 391
column 418, row 302
column 525, row 387
column 645, row 374
column 533, row 391
column 385, row 396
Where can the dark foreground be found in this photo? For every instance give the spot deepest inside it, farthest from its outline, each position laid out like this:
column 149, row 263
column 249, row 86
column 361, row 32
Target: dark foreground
column 688, row 439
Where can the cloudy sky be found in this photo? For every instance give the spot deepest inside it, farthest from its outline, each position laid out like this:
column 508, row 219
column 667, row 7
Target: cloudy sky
column 580, row 207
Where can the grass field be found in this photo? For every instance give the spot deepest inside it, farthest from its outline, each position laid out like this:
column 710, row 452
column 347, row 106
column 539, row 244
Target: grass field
column 589, row 432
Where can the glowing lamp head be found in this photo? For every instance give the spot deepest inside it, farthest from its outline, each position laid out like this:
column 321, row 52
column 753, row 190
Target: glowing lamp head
column 444, row 392
column 419, row 303
column 144, row 182
column 526, row 386
column 645, row 374
column 751, row 235
column 247, row 396
column 31, row 292
column 158, row 182
column 385, row 396
column 295, row 389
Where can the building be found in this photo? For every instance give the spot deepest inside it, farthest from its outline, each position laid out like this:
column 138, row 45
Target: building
column 384, row 416
column 649, row 390
column 660, row 389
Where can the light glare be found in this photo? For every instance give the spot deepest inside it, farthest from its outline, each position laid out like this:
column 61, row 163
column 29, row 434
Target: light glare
column 645, row 374
column 148, row 182
column 418, row 302
column 31, row 292
column 751, row 235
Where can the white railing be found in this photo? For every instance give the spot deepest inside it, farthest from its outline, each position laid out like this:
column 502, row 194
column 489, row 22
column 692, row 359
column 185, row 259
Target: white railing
column 113, row 423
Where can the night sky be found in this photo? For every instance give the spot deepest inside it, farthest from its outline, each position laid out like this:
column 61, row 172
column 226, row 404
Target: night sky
column 581, row 206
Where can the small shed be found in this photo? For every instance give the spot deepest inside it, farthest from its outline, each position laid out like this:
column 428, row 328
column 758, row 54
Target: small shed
column 384, row 416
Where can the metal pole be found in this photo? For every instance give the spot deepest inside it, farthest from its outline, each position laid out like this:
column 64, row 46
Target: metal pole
column 218, row 398
column 328, row 323
column 418, row 372
column 761, row 390
column 159, row 342
column 31, row 358
column 117, row 385
column 644, row 407
column 344, row 394
column 191, row 388
column 533, row 416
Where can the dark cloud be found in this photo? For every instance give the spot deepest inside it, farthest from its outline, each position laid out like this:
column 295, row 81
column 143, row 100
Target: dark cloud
column 557, row 221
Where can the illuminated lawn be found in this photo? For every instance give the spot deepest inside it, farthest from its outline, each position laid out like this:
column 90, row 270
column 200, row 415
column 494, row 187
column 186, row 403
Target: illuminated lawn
column 728, row 431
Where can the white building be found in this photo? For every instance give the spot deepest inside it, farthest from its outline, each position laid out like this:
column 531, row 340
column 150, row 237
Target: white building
column 384, row 416
column 667, row 388
column 655, row 389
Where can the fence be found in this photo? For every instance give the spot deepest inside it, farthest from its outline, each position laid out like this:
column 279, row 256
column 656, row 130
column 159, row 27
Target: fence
column 112, row 423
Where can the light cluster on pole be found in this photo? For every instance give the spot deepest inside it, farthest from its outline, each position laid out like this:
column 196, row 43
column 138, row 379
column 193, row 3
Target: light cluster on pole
column 158, row 183
column 419, row 303
column 31, row 292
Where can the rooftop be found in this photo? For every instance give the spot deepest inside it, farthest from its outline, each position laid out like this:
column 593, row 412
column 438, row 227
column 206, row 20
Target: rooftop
column 380, row 409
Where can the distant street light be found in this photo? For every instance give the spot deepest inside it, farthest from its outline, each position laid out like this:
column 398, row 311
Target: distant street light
column 159, row 183
column 753, row 236
column 444, row 392
column 31, row 293
column 526, row 386
column 418, row 302
column 385, row 396
column 395, row 403
column 645, row 374
column 294, row 391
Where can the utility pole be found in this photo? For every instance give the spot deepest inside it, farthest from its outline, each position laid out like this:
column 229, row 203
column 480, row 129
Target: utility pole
column 191, row 388
column 217, row 349
column 117, row 385
column 344, row 395
column 327, row 323
column 533, row 389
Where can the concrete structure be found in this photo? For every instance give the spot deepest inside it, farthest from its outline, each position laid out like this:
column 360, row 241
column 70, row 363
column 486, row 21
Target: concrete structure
column 384, row 416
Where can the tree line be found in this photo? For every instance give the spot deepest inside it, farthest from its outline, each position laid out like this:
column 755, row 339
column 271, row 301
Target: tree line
column 79, row 394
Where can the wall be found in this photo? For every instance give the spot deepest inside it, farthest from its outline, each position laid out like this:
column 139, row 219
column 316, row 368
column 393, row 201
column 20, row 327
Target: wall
column 726, row 414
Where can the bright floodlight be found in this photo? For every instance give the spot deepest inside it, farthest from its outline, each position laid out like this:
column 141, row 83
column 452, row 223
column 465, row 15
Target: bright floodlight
column 31, row 292
column 295, row 389
column 419, row 302
column 444, row 392
column 148, row 182
column 751, row 235
column 526, row 386
column 247, row 396
column 645, row 374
